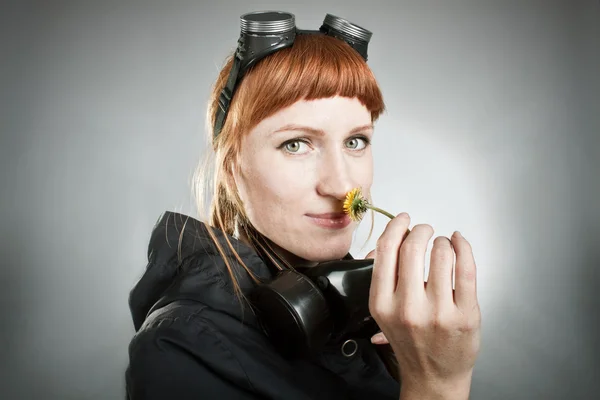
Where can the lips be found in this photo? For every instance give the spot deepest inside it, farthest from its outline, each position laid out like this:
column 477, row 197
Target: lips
column 334, row 215
column 338, row 220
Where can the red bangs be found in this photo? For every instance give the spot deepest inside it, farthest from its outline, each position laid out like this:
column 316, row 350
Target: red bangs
column 316, row 66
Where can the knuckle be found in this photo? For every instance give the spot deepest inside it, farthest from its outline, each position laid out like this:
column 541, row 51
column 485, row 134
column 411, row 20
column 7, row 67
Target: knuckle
column 469, row 274
column 476, row 316
column 441, row 322
column 373, row 306
column 467, row 271
column 416, row 245
column 377, row 310
column 411, row 320
column 411, row 248
column 384, row 244
column 469, row 326
column 472, row 322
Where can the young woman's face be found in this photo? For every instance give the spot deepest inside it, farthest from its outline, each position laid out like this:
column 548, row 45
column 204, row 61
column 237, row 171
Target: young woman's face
column 295, row 170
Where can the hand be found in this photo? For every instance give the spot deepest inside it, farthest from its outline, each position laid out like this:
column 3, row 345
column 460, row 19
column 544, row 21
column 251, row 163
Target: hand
column 433, row 330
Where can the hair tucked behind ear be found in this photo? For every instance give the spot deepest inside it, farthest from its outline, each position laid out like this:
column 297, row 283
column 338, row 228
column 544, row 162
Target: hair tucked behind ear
column 316, row 66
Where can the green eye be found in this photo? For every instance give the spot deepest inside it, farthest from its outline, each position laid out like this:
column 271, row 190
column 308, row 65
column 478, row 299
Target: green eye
column 295, row 146
column 292, row 147
column 355, row 143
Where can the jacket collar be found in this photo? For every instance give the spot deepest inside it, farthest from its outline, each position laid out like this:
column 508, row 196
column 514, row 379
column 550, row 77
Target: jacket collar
column 184, row 264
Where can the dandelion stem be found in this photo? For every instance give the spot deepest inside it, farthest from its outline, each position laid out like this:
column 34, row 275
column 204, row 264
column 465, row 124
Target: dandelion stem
column 379, row 210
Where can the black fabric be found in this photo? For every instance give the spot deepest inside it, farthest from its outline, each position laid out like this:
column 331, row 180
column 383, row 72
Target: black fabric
column 195, row 341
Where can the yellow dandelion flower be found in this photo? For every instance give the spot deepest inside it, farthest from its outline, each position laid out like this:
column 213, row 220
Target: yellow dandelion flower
column 355, row 205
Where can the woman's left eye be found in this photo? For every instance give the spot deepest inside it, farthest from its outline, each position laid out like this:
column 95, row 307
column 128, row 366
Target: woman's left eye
column 357, row 143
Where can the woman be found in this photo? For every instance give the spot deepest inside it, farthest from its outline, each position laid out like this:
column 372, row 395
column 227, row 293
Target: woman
column 295, row 139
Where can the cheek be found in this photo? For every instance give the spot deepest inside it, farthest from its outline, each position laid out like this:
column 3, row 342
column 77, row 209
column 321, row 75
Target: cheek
column 270, row 189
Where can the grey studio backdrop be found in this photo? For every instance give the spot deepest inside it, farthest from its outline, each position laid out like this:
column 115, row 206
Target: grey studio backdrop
column 491, row 128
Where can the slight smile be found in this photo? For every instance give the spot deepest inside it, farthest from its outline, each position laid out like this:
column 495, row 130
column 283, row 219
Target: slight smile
column 331, row 220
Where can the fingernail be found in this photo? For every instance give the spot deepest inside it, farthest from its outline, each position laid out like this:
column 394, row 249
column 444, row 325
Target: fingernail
column 458, row 234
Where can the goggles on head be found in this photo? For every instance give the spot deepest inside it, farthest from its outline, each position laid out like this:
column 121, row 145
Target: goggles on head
column 265, row 32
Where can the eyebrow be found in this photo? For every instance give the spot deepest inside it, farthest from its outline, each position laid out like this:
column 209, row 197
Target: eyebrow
column 315, row 131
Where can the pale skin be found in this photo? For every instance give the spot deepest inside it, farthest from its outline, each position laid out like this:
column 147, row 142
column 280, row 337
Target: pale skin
column 433, row 329
column 302, row 161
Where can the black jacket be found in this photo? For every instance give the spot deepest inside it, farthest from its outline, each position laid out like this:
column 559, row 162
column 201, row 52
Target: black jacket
column 194, row 341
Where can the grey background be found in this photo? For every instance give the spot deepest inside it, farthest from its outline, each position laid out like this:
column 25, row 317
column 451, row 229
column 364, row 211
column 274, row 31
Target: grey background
column 492, row 128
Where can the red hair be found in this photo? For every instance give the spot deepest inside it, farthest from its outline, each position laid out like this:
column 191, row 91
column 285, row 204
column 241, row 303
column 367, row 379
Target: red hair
column 316, row 66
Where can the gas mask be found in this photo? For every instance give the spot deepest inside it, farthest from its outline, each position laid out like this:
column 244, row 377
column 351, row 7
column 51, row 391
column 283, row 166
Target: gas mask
column 301, row 311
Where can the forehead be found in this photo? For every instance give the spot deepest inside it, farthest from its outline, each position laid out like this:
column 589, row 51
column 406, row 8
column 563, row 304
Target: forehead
column 332, row 114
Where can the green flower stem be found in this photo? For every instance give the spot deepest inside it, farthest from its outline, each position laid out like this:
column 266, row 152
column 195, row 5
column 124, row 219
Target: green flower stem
column 379, row 210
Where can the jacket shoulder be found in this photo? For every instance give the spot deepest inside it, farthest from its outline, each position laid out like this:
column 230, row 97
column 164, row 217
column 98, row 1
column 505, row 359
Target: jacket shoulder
column 185, row 342
column 192, row 318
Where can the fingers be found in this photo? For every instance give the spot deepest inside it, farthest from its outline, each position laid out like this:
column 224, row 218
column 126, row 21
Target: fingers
column 383, row 282
column 439, row 290
column 465, row 295
column 411, row 265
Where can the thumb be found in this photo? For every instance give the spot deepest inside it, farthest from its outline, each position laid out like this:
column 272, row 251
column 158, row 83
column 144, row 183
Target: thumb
column 379, row 338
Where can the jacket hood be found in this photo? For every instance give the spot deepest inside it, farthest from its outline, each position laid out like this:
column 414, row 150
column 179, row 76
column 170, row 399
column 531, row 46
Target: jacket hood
column 184, row 264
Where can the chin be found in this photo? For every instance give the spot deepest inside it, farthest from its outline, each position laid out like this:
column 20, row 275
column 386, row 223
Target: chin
column 330, row 251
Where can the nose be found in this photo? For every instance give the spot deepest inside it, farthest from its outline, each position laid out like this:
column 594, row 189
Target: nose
column 335, row 176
